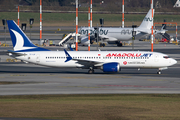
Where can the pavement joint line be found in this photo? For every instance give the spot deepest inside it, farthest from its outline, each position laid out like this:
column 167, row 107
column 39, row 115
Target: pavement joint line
column 17, row 75
column 76, row 77
column 156, row 80
column 82, row 86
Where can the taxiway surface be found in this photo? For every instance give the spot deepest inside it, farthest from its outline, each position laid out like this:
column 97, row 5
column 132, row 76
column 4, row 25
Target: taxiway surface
column 28, row 79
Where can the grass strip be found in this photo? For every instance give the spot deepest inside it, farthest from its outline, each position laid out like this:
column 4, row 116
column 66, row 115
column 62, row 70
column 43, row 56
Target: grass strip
column 96, row 107
column 68, row 19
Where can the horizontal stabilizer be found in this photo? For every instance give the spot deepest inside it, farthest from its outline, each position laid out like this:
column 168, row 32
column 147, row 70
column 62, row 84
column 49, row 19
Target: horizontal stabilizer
column 15, row 53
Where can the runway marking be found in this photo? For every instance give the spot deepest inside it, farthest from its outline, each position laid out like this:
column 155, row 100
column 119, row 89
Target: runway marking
column 46, row 75
column 134, row 86
column 113, row 77
column 75, row 77
column 135, row 89
column 82, row 86
column 8, row 82
column 123, row 86
column 96, row 77
column 149, row 74
column 156, row 80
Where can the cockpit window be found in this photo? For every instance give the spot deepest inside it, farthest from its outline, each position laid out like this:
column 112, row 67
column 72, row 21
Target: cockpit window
column 166, row 57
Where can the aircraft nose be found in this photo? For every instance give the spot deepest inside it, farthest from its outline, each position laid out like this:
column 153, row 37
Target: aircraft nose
column 173, row 61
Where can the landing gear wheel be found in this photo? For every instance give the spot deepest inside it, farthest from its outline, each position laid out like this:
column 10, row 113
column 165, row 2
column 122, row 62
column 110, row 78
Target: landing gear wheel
column 91, row 71
column 119, row 44
column 91, row 41
column 159, row 72
column 102, row 45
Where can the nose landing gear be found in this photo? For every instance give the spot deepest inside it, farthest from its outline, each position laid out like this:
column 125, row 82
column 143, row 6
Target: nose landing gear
column 159, row 72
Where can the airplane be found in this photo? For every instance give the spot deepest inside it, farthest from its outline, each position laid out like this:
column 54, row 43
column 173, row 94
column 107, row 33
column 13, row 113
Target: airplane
column 116, row 35
column 107, row 61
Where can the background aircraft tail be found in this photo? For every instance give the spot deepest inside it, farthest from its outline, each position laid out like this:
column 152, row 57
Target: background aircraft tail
column 147, row 22
column 20, row 41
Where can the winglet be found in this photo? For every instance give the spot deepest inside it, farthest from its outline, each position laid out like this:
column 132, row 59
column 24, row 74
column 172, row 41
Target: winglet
column 68, row 57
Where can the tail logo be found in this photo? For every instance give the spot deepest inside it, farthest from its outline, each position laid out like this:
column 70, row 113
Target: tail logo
column 148, row 19
column 19, row 45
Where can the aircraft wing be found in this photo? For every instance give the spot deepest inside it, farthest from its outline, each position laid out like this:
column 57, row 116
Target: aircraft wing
column 88, row 62
column 107, row 38
column 82, row 62
column 145, row 31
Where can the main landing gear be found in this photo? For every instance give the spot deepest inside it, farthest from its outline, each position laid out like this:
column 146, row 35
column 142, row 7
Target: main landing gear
column 102, row 44
column 119, row 44
column 91, row 70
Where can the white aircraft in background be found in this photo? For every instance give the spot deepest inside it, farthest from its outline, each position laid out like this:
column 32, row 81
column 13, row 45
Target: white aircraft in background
column 107, row 61
column 116, row 35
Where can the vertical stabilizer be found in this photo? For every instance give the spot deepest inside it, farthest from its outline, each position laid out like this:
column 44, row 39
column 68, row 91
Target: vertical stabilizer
column 147, row 22
column 19, row 39
column 177, row 4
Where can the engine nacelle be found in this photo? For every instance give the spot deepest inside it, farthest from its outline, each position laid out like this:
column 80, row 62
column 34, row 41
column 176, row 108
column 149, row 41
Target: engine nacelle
column 111, row 67
column 84, row 40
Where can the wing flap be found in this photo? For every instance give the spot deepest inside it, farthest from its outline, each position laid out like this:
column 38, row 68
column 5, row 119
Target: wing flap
column 87, row 62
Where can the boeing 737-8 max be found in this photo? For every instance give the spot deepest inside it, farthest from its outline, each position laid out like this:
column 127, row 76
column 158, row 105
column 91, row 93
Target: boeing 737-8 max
column 107, row 61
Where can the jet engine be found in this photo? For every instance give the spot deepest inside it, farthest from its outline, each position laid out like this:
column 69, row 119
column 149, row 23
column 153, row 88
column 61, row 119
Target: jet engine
column 84, row 40
column 111, row 67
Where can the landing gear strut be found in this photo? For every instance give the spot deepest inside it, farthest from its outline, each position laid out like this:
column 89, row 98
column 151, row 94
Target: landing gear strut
column 159, row 72
column 119, row 44
column 102, row 45
column 91, row 71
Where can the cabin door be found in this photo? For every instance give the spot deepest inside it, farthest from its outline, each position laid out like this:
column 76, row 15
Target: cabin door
column 156, row 58
column 37, row 58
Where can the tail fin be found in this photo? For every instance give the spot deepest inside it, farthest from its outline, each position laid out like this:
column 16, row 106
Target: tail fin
column 20, row 41
column 147, row 22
